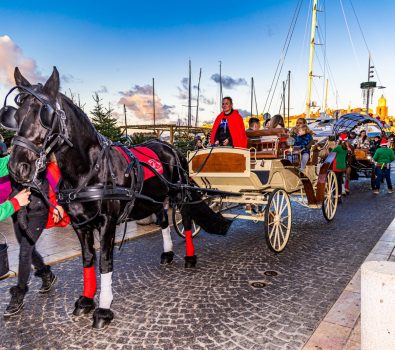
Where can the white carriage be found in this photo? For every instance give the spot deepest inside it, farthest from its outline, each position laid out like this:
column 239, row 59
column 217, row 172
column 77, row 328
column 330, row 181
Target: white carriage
column 264, row 178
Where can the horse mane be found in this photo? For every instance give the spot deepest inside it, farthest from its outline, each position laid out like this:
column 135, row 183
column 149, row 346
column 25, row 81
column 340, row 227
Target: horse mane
column 80, row 114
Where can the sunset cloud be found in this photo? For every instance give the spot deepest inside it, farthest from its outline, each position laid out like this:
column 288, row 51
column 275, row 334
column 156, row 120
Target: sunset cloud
column 11, row 56
column 138, row 100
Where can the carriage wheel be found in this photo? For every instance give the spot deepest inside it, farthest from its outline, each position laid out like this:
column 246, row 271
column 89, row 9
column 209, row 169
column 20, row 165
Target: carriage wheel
column 179, row 227
column 331, row 197
column 278, row 220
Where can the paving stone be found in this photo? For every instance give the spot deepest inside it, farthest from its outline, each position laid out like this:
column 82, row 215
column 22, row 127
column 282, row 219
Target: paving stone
column 212, row 307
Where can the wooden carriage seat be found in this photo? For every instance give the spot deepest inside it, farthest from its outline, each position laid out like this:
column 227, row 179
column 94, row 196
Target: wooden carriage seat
column 269, row 143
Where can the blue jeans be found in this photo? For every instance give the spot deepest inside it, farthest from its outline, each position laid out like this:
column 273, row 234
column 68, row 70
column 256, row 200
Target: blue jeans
column 383, row 172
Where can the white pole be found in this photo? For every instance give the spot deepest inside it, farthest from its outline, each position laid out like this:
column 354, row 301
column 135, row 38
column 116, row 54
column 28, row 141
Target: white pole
column 312, row 43
column 378, row 305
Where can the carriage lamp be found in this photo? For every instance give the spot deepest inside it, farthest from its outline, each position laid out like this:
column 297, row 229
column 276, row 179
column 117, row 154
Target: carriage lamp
column 290, row 143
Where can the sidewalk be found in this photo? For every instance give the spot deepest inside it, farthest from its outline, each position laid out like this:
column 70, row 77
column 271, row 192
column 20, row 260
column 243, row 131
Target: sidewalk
column 58, row 244
column 341, row 327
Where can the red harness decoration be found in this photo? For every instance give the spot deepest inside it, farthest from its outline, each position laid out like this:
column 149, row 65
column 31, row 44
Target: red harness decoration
column 145, row 155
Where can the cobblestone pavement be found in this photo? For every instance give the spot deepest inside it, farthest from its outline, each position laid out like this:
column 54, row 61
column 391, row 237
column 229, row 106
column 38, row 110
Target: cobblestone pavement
column 214, row 306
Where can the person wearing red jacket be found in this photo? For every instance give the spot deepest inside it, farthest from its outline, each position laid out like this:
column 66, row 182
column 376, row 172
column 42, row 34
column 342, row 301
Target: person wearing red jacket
column 228, row 128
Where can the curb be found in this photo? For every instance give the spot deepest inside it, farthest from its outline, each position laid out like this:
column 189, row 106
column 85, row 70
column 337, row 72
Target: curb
column 341, row 327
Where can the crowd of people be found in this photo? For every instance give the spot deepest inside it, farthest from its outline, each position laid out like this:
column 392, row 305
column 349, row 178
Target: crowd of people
column 228, row 130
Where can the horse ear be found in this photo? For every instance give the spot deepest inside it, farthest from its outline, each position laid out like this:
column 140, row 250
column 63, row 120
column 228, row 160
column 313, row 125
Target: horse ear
column 52, row 85
column 20, row 79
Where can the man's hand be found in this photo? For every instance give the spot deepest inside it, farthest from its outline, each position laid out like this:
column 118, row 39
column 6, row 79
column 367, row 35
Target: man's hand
column 58, row 214
column 226, row 142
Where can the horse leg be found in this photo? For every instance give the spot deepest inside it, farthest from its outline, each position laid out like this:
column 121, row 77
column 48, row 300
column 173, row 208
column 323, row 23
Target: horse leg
column 85, row 302
column 163, row 220
column 103, row 314
column 190, row 257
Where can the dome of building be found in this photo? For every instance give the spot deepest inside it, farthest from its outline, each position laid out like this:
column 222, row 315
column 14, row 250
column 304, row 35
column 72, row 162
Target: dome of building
column 382, row 101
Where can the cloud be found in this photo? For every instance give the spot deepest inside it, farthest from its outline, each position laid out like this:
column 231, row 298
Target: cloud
column 244, row 113
column 102, row 90
column 69, row 78
column 11, row 56
column 139, row 101
column 183, row 92
column 227, row 81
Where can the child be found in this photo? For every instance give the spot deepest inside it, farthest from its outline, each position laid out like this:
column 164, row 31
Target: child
column 383, row 157
column 254, row 124
column 303, row 140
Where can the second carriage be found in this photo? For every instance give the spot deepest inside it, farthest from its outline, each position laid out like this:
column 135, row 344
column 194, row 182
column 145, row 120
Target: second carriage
column 264, row 179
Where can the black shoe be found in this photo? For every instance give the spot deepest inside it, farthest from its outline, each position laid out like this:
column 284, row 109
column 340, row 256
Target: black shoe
column 16, row 303
column 48, row 278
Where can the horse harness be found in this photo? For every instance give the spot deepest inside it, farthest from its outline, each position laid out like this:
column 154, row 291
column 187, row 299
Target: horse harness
column 52, row 117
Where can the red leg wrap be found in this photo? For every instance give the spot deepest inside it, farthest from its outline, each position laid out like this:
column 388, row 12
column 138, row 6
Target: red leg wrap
column 347, row 185
column 89, row 282
column 190, row 249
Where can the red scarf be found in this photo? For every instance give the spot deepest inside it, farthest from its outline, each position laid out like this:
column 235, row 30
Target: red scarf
column 236, row 128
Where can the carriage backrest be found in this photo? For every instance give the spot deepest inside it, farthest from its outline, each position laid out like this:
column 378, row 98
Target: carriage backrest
column 268, row 143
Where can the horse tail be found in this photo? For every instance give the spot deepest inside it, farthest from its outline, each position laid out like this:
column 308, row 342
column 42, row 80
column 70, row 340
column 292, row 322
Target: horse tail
column 204, row 216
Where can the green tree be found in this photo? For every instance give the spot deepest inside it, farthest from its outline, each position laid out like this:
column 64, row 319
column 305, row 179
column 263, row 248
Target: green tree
column 103, row 119
column 7, row 135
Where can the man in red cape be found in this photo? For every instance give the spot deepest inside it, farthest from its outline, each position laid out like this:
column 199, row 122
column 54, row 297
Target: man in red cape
column 228, row 128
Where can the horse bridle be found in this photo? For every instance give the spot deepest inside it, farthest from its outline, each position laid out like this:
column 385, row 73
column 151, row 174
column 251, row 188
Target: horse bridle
column 51, row 117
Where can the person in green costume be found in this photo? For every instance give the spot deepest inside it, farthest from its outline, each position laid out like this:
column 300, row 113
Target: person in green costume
column 383, row 158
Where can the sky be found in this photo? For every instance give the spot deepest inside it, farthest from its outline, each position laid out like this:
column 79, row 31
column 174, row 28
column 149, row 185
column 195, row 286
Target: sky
column 117, row 48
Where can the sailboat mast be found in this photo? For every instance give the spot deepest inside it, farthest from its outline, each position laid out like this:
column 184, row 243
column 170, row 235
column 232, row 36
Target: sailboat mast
column 252, row 93
column 312, row 43
column 220, row 86
column 197, row 99
column 189, row 97
column 326, row 95
column 153, row 102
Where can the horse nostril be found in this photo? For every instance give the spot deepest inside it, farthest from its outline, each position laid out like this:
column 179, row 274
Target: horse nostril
column 23, row 170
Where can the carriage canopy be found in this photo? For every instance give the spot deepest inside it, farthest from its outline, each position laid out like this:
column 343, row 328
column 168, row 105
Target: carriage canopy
column 350, row 121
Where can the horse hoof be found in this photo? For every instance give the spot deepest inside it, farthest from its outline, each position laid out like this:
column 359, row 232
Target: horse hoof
column 166, row 258
column 83, row 306
column 102, row 318
column 190, row 261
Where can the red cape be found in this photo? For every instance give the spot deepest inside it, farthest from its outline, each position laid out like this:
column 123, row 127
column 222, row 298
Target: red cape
column 236, row 128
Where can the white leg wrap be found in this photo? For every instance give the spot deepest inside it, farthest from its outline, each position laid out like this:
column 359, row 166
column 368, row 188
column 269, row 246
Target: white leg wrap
column 167, row 242
column 105, row 290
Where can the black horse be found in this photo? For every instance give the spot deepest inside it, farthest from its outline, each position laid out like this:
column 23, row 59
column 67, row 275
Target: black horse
column 100, row 186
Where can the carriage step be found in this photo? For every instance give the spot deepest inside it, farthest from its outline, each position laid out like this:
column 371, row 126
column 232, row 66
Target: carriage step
column 244, row 217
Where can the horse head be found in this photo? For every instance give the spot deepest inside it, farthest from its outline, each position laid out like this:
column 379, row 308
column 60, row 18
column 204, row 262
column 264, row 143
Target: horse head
column 38, row 123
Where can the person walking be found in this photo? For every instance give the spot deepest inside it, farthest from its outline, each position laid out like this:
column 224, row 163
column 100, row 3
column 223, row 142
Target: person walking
column 28, row 226
column 383, row 158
